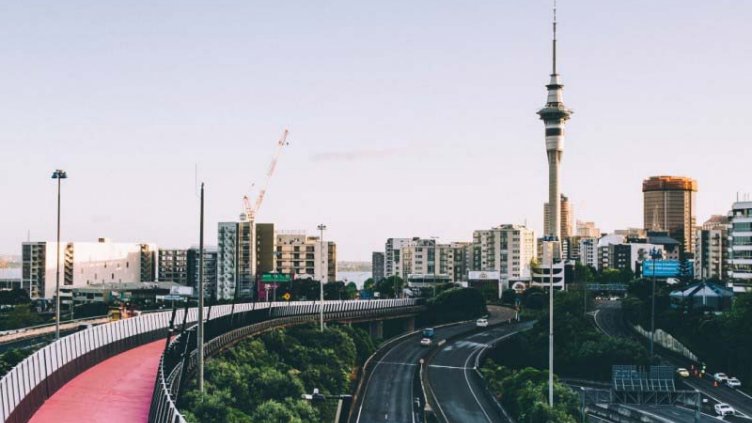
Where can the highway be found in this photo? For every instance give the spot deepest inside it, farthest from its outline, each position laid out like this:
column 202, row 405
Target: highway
column 608, row 319
column 459, row 391
column 670, row 414
column 391, row 389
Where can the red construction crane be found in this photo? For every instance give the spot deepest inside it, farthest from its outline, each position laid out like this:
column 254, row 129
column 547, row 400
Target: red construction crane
column 250, row 212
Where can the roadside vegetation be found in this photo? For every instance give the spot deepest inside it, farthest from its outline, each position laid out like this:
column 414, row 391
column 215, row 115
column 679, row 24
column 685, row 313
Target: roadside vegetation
column 524, row 394
column 581, row 351
column 722, row 340
column 262, row 379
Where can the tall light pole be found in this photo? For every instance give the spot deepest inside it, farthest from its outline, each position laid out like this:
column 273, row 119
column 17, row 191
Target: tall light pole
column 59, row 174
column 321, row 229
column 655, row 254
column 200, row 329
column 555, row 255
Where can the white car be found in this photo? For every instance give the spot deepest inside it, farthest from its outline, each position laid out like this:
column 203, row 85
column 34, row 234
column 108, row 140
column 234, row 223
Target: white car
column 720, row 377
column 723, row 409
column 481, row 323
column 426, row 342
column 733, row 382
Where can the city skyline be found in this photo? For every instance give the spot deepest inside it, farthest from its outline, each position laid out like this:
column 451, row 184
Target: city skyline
column 381, row 127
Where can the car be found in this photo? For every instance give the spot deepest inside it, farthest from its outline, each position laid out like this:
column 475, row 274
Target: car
column 425, row 342
column 720, row 377
column 681, row 371
column 723, row 409
column 481, row 323
column 428, row 333
column 733, row 382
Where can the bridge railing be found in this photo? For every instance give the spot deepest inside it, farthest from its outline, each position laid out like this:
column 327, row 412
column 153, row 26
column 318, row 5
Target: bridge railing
column 35, row 379
column 180, row 358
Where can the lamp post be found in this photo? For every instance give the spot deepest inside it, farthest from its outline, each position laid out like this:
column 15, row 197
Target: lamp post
column 555, row 255
column 59, row 174
column 655, row 254
column 321, row 229
column 200, row 329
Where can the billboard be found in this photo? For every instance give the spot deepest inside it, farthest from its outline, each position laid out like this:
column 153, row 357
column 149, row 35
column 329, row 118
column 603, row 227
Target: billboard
column 662, row 268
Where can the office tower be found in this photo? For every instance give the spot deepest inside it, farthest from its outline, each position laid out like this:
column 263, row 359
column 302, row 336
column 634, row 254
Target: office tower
column 669, row 205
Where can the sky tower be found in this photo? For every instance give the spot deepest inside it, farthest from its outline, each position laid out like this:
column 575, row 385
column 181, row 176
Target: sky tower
column 554, row 114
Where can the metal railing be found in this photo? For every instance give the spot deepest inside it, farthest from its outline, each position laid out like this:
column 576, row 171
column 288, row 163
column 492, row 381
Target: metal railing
column 181, row 356
column 35, row 379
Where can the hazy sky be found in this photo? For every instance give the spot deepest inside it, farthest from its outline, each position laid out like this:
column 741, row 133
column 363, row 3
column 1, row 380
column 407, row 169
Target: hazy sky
column 405, row 117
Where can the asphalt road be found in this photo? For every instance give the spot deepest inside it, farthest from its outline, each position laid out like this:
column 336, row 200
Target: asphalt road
column 458, row 389
column 389, row 392
column 609, row 320
column 673, row 414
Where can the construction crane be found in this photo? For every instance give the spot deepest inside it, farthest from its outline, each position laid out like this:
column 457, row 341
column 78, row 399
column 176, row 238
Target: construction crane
column 250, row 211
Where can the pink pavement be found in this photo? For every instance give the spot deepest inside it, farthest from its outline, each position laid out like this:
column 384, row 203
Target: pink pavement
column 117, row 390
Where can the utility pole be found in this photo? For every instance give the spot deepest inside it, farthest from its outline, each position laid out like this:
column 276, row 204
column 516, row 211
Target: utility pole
column 322, row 228
column 59, row 174
column 200, row 331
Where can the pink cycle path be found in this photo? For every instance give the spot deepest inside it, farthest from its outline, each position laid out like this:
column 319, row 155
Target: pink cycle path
column 117, row 390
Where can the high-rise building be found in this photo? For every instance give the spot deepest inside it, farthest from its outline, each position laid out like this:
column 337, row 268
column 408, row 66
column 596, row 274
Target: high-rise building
column 740, row 246
column 172, row 266
column 301, row 255
column 459, row 260
column 244, row 251
column 554, row 116
column 227, row 260
column 210, row 270
column 265, row 251
column 669, row 205
column 83, row 264
column 566, row 219
column 711, row 244
column 377, row 266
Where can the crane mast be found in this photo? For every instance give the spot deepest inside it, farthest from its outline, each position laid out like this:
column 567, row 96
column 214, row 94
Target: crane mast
column 251, row 211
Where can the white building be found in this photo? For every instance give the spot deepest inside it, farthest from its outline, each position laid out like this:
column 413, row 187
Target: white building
column 508, row 249
column 305, row 256
column 83, row 264
column 711, row 248
column 740, row 246
column 589, row 252
column 393, row 260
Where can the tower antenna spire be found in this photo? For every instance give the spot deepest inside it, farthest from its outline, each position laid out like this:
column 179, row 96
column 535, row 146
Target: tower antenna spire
column 554, row 40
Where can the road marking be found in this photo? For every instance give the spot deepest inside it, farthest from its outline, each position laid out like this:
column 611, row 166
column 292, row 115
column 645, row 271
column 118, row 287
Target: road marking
column 704, row 392
column 467, row 380
column 448, row 367
column 396, row 363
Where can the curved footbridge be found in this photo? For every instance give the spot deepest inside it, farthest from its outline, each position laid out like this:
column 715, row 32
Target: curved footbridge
column 107, row 373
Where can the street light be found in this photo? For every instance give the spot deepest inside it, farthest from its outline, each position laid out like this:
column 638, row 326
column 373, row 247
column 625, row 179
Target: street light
column 59, row 174
column 321, row 228
column 655, row 254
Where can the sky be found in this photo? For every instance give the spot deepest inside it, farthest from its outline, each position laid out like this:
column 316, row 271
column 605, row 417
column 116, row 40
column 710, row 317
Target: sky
column 406, row 118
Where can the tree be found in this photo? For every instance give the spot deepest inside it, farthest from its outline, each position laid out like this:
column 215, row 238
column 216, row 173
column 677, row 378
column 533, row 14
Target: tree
column 19, row 316
column 456, row 304
column 583, row 274
column 14, row 296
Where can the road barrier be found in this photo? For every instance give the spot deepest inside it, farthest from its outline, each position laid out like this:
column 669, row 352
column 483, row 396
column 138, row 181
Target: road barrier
column 668, row 342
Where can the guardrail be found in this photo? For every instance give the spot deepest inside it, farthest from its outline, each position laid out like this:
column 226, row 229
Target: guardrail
column 35, row 379
column 181, row 356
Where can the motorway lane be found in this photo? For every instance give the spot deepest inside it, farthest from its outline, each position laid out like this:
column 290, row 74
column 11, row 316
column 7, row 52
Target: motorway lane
column 388, row 394
column 458, row 389
column 609, row 320
column 673, row 414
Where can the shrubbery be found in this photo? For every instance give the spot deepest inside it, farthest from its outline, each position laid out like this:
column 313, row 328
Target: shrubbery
column 456, row 304
column 262, row 379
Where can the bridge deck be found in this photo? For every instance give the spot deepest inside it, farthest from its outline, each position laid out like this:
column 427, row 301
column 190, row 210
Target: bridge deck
column 116, row 390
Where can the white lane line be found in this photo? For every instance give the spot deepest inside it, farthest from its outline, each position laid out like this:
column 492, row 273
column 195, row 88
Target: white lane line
column 467, row 380
column 368, row 383
column 439, row 366
column 396, row 363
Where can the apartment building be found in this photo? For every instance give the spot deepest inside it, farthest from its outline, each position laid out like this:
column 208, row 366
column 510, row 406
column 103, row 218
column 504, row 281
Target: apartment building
column 508, row 249
column 711, row 245
column 172, row 266
column 740, row 246
column 304, row 256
